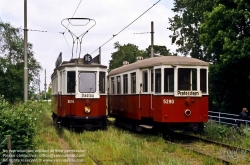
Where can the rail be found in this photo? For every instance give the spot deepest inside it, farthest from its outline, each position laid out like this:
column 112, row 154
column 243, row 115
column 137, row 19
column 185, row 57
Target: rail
column 226, row 118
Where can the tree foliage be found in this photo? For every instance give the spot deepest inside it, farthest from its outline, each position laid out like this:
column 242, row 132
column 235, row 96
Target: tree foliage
column 185, row 27
column 217, row 31
column 12, row 63
column 158, row 50
column 225, row 33
column 129, row 52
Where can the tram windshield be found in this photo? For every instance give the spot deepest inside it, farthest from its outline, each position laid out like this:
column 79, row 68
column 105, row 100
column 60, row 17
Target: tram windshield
column 87, row 82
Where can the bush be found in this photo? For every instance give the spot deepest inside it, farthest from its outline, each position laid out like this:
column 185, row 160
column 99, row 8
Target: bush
column 20, row 122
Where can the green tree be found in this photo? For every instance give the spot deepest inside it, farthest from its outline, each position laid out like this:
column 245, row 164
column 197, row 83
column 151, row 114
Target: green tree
column 185, row 27
column 161, row 50
column 225, row 33
column 127, row 52
column 12, row 63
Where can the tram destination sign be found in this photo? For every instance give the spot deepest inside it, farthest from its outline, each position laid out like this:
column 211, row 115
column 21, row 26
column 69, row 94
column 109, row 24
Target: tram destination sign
column 188, row 93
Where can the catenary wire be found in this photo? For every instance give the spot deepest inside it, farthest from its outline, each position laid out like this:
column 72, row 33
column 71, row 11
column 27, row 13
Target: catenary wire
column 126, row 27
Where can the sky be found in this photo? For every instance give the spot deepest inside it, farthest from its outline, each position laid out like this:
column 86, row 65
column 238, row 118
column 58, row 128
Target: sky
column 44, row 21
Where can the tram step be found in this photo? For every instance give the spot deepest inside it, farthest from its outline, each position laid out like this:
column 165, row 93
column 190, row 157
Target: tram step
column 146, row 126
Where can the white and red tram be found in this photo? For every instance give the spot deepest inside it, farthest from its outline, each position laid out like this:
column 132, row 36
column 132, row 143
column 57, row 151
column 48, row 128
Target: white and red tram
column 166, row 91
column 79, row 94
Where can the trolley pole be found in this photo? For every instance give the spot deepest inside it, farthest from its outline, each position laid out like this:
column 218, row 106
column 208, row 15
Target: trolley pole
column 152, row 39
column 25, row 53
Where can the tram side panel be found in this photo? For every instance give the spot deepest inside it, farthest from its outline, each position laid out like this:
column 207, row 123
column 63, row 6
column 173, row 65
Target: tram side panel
column 178, row 109
column 126, row 106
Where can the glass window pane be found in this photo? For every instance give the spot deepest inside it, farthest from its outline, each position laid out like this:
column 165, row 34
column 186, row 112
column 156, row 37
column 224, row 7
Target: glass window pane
column 184, row 79
column 71, row 79
column 87, row 82
column 152, row 80
column 102, row 82
column 194, row 79
column 133, row 82
column 118, row 79
column 125, row 83
column 203, row 80
column 157, row 80
column 169, row 80
column 145, row 81
column 112, row 85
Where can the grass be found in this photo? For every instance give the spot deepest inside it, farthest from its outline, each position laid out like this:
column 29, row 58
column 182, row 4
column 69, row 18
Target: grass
column 114, row 146
column 228, row 135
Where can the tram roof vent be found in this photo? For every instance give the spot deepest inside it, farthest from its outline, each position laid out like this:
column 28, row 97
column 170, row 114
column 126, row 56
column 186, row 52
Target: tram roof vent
column 139, row 58
column 125, row 62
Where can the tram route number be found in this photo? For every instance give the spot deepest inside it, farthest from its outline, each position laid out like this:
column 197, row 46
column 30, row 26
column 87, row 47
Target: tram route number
column 168, row 101
column 87, row 95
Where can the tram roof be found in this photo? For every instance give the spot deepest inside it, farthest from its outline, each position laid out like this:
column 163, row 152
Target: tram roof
column 79, row 62
column 157, row 61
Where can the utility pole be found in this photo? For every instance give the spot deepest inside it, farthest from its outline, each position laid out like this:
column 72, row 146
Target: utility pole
column 45, row 85
column 25, row 53
column 152, row 39
column 39, row 84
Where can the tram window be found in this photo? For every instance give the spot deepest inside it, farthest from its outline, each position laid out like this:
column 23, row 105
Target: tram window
column 102, row 82
column 194, row 80
column 183, row 79
column 145, row 81
column 125, row 83
column 118, row 82
column 187, row 79
column 203, row 80
column 71, row 78
column 112, row 85
column 87, row 82
column 169, row 80
column 152, row 80
column 157, row 80
column 133, row 82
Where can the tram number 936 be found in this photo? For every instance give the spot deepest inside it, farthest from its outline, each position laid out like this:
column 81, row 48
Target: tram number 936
column 168, row 101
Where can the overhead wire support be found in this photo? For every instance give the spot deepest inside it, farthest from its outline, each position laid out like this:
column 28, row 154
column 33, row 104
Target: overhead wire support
column 142, row 33
column 114, row 35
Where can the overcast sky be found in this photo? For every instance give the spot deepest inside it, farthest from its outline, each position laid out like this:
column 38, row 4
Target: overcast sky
column 111, row 17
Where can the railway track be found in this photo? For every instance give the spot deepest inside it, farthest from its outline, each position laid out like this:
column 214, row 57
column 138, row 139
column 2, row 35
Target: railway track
column 223, row 152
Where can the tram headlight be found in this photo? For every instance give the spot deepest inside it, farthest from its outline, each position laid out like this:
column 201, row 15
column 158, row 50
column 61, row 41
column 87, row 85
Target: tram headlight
column 187, row 112
column 87, row 109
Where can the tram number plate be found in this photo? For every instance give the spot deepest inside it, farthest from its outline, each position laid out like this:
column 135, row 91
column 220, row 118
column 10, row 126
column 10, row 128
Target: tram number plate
column 70, row 101
column 87, row 95
column 168, row 101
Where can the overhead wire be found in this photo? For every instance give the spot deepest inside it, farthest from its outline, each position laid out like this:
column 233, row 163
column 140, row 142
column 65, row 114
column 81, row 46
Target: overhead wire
column 114, row 35
column 73, row 14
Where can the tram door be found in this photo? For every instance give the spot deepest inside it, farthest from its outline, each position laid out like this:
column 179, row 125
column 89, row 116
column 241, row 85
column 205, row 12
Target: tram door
column 146, row 100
